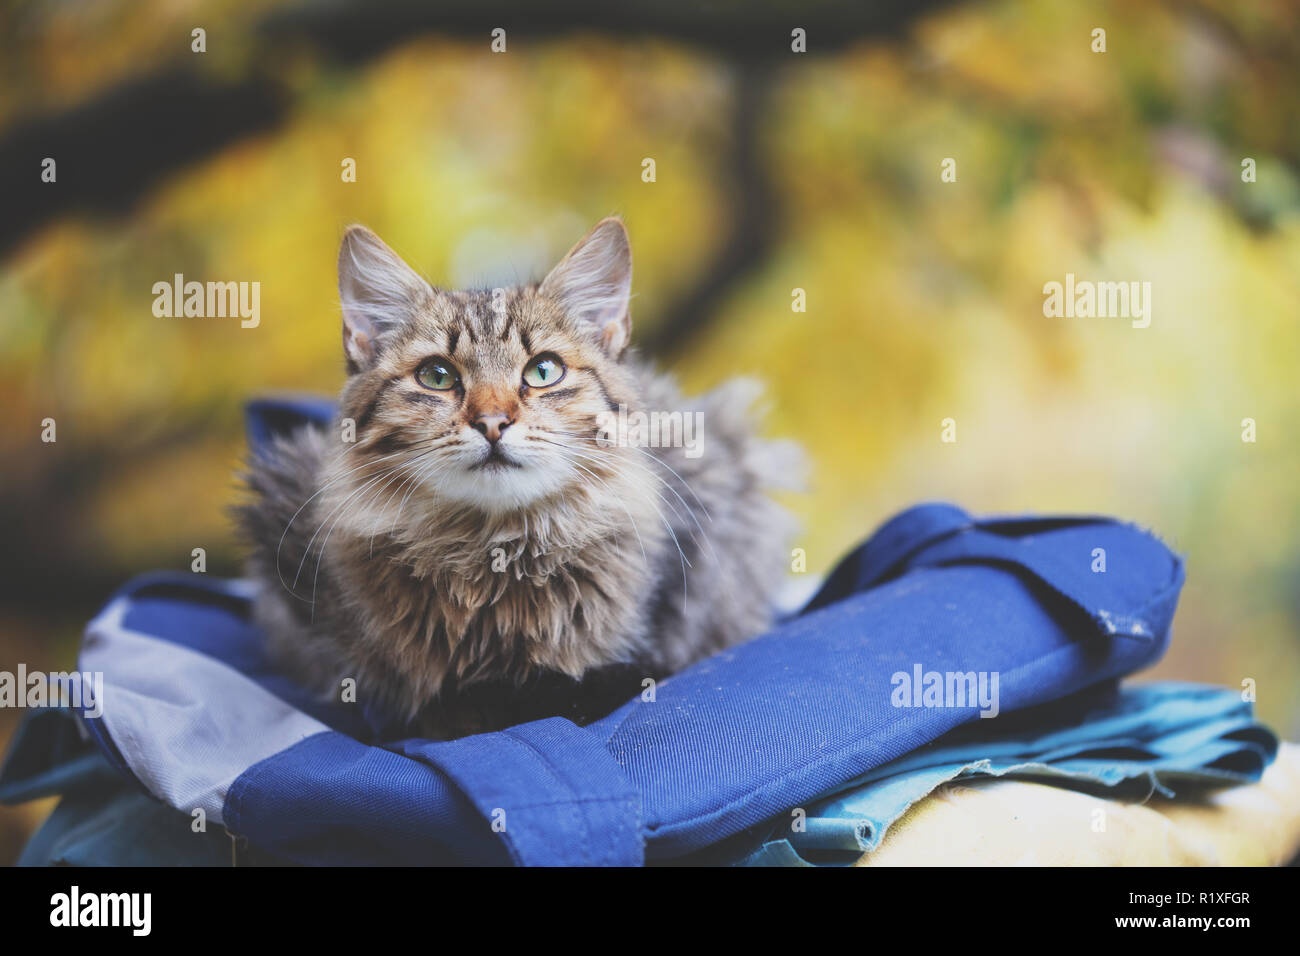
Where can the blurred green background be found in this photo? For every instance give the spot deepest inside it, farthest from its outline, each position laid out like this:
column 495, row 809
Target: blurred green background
column 775, row 171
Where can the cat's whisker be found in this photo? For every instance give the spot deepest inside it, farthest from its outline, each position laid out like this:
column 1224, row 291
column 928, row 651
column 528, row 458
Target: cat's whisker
column 403, row 468
column 325, row 543
column 408, row 481
column 318, row 492
column 685, row 507
column 713, row 554
column 613, row 462
column 434, row 445
column 371, row 551
column 609, row 443
column 681, row 554
column 635, row 529
column 369, row 482
column 353, row 494
column 421, row 476
column 668, row 527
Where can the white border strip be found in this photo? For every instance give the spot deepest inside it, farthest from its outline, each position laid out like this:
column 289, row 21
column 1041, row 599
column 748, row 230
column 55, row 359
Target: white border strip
column 186, row 724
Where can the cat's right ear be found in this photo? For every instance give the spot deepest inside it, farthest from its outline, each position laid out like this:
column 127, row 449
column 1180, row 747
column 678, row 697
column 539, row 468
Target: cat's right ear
column 594, row 282
column 379, row 293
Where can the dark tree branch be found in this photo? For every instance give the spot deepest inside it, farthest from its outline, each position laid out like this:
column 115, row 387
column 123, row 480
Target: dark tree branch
column 753, row 216
column 737, row 29
column 114, row 149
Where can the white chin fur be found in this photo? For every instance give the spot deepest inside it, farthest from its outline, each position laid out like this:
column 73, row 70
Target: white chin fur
column 500, row 488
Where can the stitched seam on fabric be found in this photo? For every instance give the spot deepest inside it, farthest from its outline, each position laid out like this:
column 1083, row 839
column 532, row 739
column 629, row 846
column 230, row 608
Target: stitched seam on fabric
column 235, row 793
column 575, row 815
column 576, row 801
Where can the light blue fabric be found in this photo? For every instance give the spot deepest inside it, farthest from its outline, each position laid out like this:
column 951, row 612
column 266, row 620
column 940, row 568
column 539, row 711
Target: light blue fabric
column 1167, row 738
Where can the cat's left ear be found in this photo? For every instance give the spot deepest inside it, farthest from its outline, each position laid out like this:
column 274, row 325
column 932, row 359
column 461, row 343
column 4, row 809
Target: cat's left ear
column 594, row 283
column 379, row 293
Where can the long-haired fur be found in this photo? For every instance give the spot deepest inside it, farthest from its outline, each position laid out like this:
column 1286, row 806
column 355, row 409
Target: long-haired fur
column 467, row 578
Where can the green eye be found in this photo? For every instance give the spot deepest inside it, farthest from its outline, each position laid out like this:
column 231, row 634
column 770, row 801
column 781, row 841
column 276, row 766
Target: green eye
column 546, row 369
column 437, row 374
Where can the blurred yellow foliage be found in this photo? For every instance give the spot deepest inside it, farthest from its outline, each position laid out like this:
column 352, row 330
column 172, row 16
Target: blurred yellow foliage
column 924, row 298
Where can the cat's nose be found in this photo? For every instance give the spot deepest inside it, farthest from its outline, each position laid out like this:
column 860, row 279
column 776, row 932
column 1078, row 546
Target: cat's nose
column 491, row 426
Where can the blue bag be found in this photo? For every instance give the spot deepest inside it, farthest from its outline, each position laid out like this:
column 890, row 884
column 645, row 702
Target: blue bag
column 196, row 714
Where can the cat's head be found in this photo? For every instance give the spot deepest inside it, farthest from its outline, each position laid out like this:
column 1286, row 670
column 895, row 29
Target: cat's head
column 485, row 398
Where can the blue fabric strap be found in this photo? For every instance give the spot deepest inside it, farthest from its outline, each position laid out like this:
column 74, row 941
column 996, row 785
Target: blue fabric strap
column 1120, row 601
column 897, row 539
column 551, row 790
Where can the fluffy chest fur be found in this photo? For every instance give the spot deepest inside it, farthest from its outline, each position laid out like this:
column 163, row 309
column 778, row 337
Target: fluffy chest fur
column 459, row 595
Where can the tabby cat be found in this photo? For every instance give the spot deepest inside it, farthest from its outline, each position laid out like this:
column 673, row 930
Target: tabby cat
column 487, row 549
